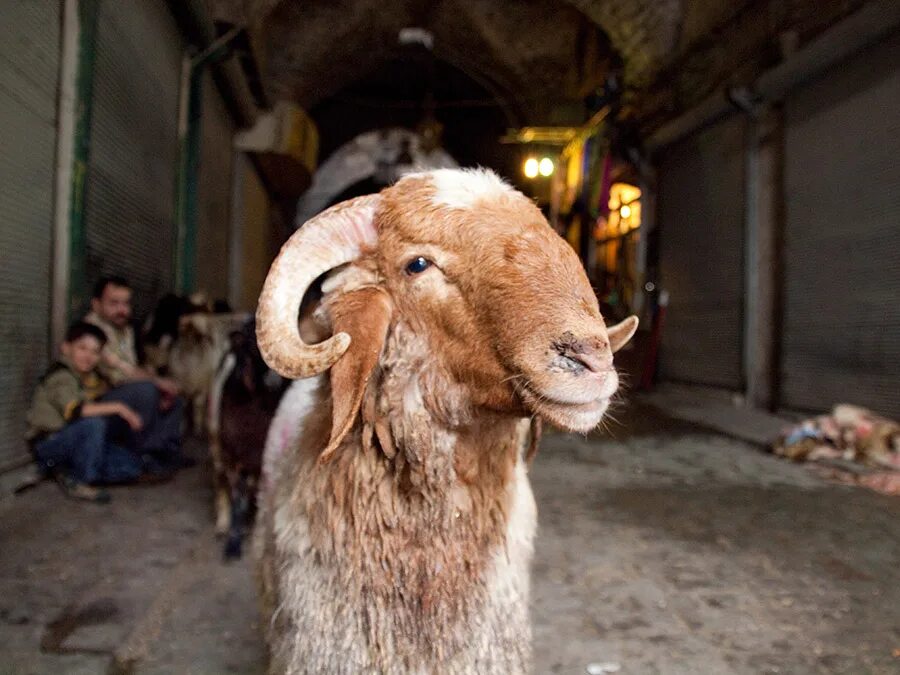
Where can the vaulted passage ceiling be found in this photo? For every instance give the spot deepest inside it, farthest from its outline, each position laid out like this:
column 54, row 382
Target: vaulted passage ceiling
column 492, row 65
column 496, row 64
column 523, row 53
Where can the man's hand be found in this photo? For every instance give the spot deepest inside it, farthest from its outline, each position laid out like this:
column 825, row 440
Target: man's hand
column 131, row 417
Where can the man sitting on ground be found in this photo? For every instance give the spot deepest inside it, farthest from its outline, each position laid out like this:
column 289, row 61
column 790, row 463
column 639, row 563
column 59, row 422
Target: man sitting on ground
column 154, row 398
column 69, row 431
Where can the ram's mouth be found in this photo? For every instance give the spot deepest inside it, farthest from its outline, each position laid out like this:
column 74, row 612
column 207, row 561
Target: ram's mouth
column 580, row 417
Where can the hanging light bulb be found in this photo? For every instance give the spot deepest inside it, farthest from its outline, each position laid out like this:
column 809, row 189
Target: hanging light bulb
column 531, row 168
column 546, row 166
column 625, row 211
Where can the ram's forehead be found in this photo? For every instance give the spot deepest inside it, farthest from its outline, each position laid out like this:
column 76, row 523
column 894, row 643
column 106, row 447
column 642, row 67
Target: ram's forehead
column 463, row 189
column 454, row 208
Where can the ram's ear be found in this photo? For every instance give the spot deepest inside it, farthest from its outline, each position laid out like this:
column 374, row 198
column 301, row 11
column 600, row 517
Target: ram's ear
column 364, row 315
column 621, row 333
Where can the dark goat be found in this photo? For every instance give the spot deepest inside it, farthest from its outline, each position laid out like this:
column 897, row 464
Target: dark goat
column 243, row 401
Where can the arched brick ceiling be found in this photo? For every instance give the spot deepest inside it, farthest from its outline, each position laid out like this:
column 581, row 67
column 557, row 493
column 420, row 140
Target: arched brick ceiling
column 644, row 32
column 526, row 53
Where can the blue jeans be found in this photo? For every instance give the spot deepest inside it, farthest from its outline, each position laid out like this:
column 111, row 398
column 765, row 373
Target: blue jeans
column 161, row 435
column 82, row 449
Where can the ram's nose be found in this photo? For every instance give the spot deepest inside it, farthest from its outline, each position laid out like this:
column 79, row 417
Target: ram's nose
column 584, row 354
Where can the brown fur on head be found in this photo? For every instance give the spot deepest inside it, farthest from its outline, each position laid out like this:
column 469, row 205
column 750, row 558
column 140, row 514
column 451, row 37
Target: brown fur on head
column 471, row 268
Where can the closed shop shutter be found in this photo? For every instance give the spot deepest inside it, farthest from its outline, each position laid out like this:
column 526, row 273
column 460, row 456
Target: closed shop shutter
column 214, row 193
column 133, row 156
column 29, row 65
column 701, row 220
column 841, row 333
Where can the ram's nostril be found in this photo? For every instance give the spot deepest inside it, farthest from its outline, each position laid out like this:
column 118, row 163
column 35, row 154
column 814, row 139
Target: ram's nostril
column 578, row 355
column 574, row 363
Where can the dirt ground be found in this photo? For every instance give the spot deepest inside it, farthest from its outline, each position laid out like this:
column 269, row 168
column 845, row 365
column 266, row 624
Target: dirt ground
column 662, row 549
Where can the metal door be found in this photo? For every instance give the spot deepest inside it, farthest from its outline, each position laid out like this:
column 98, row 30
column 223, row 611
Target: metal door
column 29, row 66
column 841, row 333
column 701, row 221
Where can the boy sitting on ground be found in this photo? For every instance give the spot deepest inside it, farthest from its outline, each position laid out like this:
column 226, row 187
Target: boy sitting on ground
column 70, row 432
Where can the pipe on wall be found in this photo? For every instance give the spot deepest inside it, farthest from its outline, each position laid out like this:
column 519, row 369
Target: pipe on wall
column 227, row 73
column 859, row 30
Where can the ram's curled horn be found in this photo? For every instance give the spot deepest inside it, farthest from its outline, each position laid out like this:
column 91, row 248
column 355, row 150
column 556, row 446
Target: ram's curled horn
column 336, row 236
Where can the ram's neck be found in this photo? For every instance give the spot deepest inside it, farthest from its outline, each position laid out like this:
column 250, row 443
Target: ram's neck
column 423, row 425
column 413, row 509
column 406, row 481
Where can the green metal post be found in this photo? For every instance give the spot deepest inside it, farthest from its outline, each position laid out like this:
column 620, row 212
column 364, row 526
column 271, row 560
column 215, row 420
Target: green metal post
column 187, row 188
column 88, row 11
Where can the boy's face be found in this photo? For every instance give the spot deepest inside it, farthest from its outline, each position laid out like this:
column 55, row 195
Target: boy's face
column 83, row 353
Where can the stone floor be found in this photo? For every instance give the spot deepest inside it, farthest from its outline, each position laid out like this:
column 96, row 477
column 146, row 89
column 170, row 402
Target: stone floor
column 662, row 549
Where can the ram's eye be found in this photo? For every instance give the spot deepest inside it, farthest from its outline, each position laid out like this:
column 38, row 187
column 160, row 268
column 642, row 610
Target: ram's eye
column 417, row 265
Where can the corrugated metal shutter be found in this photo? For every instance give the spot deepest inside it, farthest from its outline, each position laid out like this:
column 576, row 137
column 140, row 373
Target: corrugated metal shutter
column 133, row 157
column 841, row 335
column 214, row 188
column 29, row 65
column 701, row 220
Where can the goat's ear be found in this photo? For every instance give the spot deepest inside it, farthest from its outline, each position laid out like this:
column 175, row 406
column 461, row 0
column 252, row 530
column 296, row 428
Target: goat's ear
column 621, row 333
column 365, row 315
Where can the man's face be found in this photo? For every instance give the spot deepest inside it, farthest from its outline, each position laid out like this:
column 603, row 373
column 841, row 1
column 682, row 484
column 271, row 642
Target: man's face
column 114, row 306
column 83, row 353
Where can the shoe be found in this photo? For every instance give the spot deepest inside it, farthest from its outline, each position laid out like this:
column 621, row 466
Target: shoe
column 76, row 490
column 31, row 477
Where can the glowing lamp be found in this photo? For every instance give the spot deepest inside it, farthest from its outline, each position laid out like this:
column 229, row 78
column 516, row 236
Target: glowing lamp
column 546, row 166
column 531, row 168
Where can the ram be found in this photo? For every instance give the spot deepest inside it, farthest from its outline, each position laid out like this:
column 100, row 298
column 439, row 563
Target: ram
column 396, row 517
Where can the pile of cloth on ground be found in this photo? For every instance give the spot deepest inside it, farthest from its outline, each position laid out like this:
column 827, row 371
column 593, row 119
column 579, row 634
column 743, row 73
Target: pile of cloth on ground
column 853, row 445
